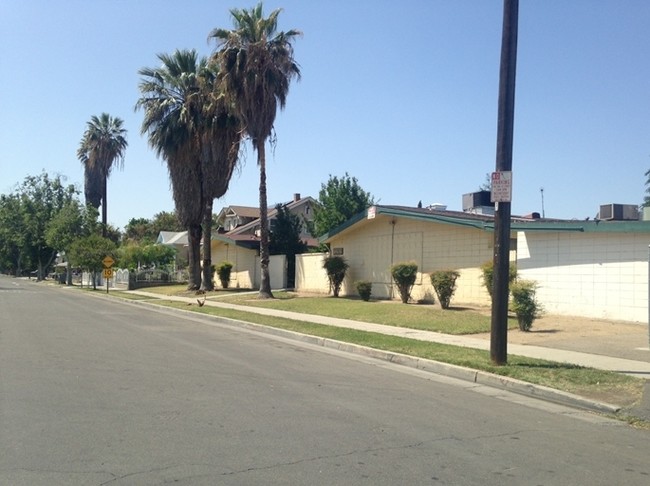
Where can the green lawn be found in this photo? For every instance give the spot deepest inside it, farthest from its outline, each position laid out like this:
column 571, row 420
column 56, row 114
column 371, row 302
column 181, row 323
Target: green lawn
column 392, row 313
column 596, row 384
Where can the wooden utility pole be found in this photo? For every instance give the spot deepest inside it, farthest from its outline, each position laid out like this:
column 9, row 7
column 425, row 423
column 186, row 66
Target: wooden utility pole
column 505, row 129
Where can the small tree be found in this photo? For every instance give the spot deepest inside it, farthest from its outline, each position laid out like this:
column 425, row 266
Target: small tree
column 404, row 275
column 223, row 272
column 364, row 288
column 336, row 268
column 525, row 304
column 488, row 275
column 88, row 253
column 444, row 283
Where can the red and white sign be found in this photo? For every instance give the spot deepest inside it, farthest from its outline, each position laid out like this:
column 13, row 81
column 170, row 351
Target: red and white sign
column 501, row 186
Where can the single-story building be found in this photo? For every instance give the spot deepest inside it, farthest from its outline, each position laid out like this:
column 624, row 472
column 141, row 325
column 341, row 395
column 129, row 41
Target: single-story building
column 591, row 268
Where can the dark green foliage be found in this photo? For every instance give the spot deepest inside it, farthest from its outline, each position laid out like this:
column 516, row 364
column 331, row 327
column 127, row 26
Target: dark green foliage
column 340, row 199
column 524, row 303
column 285, row 234
column 364, row 288
column 25, row 219
column 444, row 283
column 404, row 275
column 285, row 239
column 139, row 255
column 336, row 268
column 223, row 272
column 87, row 253
column 488, row 275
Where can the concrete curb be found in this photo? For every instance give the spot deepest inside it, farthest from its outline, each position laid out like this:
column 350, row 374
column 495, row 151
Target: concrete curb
column 437, row 367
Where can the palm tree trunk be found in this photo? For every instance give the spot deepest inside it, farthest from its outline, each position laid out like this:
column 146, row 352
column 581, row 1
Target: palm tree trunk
column 104, row 206
column 208, row 282
column 194, row 253
column 265, row 281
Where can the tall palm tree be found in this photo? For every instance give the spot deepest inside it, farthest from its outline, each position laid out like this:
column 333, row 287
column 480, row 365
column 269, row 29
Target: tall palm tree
column 256, row 67
column 102, row 147
column 185, row 124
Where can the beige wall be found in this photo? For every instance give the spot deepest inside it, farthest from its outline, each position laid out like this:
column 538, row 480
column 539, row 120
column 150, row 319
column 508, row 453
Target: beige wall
column 310, row 275
column 370, row 249
column 245, row 267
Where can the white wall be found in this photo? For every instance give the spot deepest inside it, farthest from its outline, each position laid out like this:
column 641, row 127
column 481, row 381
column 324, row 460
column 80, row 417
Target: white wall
column 602, row 275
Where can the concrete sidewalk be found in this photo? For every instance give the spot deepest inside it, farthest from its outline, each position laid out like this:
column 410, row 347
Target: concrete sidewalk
column 620, row 363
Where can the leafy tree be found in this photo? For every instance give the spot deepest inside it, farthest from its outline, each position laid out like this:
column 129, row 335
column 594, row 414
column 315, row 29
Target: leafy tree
column 143, row 230
column 285, row 239
column 41, row 198
column 12, row 234
column 256, row 66
column 87, row 253
column 340, row 199
column 138, row 230
column 165, row 221
column 135, row 255
column 336, row 267
column 102, row 147
column 194, row 132
column 63, row 229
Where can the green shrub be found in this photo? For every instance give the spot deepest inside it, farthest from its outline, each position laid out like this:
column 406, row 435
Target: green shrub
column 525, row 304
column 404, row 275
column 223, row 272
column 488, row 275
column 364, row 288
column 336, row 267
column 444, row 283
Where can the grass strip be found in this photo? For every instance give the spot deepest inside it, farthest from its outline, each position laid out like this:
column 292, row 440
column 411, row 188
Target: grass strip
column 588, row 382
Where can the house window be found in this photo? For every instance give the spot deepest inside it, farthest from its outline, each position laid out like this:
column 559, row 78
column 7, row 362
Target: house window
column 337, row 251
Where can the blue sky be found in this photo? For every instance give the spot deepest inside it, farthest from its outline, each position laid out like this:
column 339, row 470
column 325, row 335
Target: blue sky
column 401, row 95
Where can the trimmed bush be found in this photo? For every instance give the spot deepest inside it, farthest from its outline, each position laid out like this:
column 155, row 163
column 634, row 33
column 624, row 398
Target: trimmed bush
column 488, row 275
column 223, row 272
column 444, row 283
column 364, row 288
column 404, row 275
column 336, row 267
column 524, row 303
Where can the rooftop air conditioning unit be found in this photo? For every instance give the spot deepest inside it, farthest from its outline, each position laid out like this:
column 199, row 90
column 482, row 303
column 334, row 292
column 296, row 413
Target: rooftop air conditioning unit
column 476, row 200
column 619, row 212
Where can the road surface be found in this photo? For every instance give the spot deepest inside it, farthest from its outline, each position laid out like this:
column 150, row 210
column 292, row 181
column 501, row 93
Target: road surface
column 95, row 391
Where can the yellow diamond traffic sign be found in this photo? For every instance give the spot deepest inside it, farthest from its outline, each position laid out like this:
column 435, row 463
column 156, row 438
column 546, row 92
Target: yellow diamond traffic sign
column 108, row 261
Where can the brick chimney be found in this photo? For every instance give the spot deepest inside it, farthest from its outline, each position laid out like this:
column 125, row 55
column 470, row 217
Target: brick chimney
column 296, row 196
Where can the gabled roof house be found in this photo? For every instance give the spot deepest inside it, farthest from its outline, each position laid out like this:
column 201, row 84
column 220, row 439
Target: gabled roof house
column 240, row 245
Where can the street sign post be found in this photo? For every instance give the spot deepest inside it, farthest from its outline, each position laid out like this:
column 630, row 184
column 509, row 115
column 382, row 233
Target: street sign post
column 108, row 271
column 501, row 186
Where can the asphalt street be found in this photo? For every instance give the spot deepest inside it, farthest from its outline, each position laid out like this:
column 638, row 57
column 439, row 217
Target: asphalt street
column 100, row 392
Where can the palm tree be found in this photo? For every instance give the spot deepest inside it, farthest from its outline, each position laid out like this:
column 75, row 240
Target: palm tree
column 189, row 128
column 256, row 67
column 102, row 147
